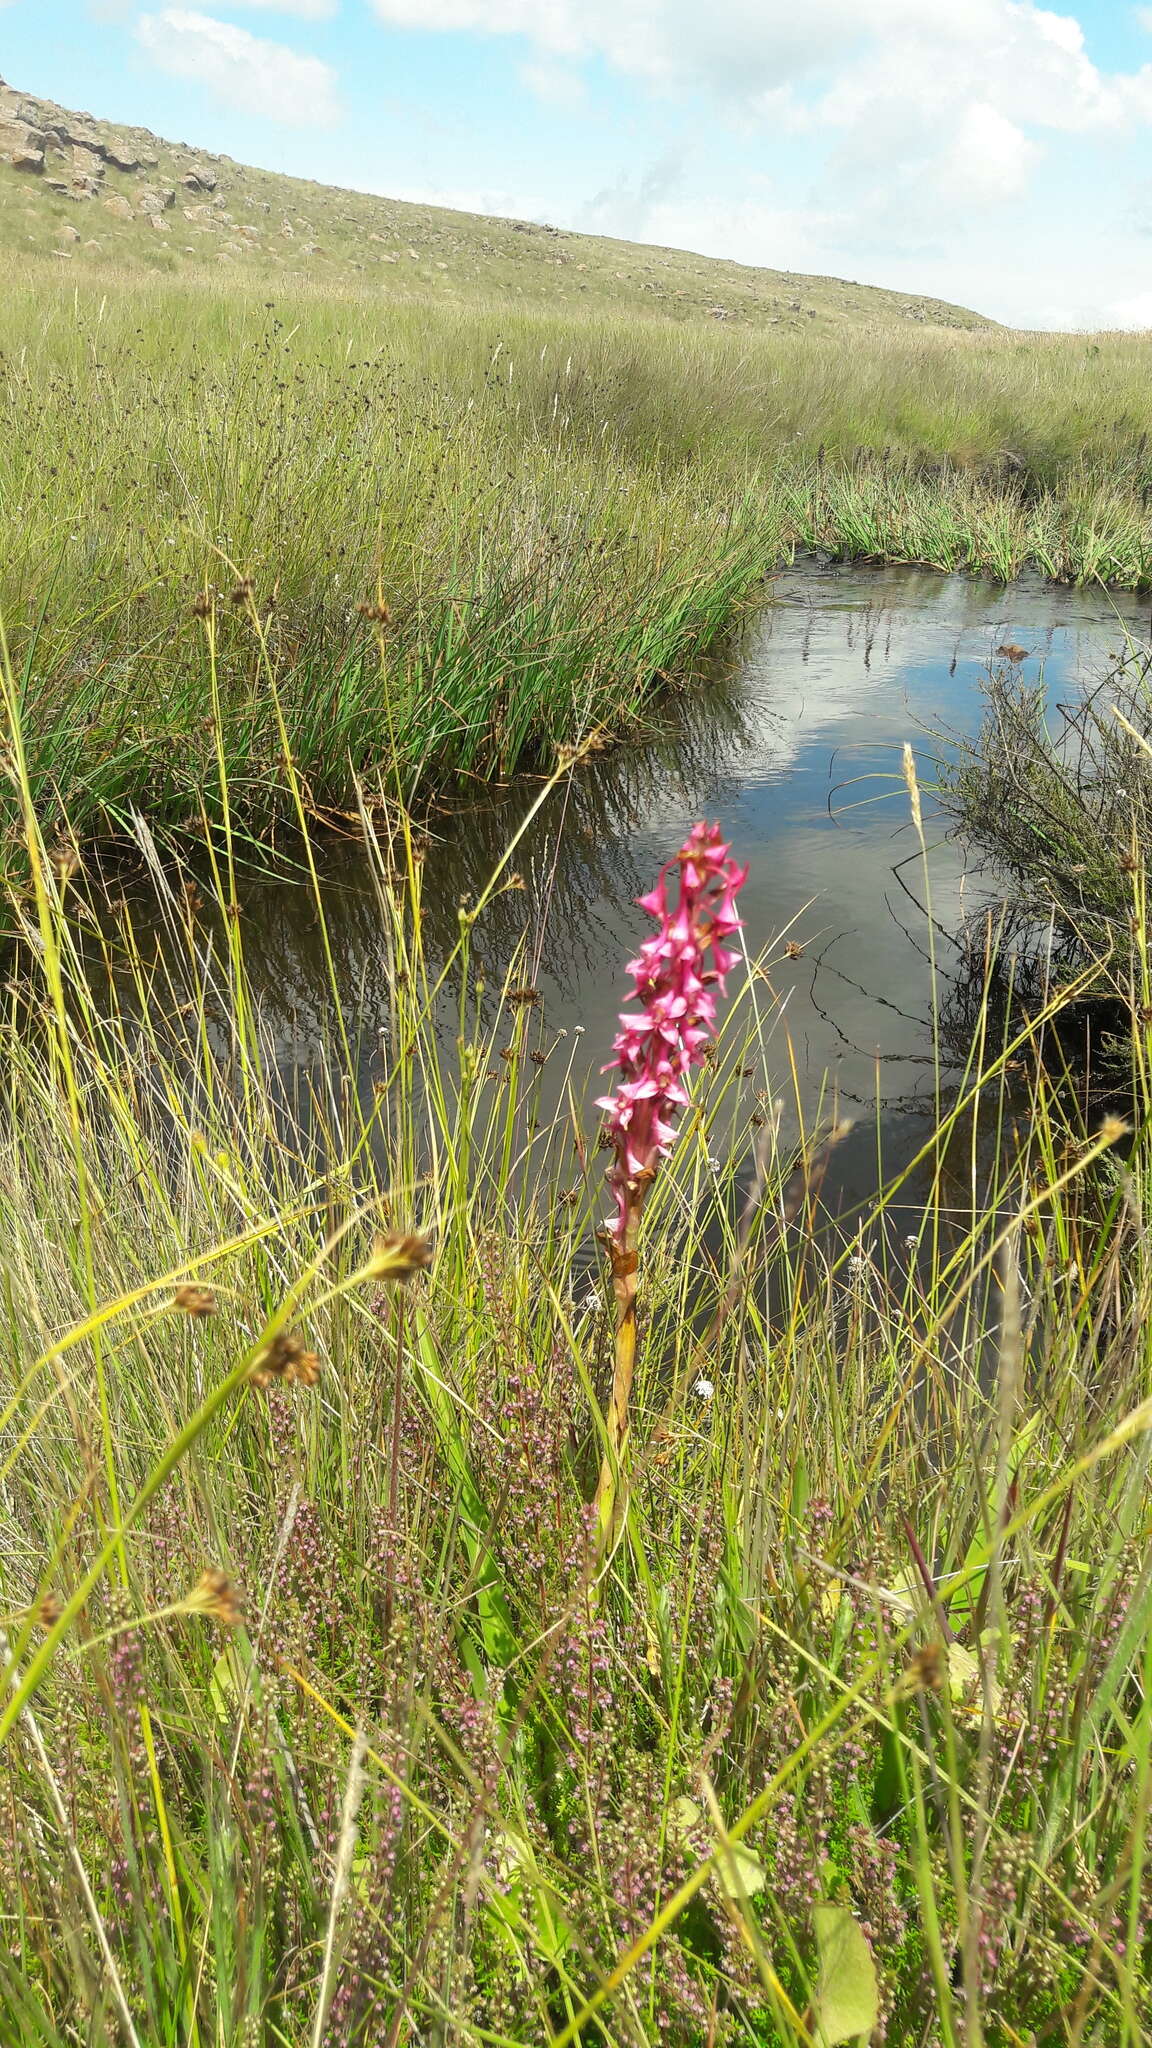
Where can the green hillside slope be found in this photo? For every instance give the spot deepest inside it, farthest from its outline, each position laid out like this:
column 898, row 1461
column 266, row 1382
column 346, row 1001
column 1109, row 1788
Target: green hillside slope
column 79, row 192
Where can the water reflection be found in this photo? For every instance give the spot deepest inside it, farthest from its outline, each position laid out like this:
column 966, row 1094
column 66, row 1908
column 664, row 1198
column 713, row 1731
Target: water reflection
column 798, row 752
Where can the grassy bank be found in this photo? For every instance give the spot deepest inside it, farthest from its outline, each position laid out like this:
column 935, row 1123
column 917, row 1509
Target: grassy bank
column 206, row 502
column 1055, row 799
column 329, row 1721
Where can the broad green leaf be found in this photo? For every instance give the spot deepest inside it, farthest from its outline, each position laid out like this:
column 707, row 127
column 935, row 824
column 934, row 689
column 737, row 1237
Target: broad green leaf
column 225, row 1684
column 801, row 1489
column 739, row 1871
column 963, row 1671
column 847, row 2001
column 965, row 1678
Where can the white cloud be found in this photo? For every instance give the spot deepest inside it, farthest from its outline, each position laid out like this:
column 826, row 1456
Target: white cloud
column 931, row 104
column 1136, row 312
column 990, row 157
column 242, row 70
column 558, row 85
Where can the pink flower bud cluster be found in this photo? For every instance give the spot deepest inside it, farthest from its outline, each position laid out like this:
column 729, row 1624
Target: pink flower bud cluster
column 677, row 987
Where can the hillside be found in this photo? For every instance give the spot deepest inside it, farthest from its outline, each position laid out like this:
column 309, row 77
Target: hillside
column 80, row 192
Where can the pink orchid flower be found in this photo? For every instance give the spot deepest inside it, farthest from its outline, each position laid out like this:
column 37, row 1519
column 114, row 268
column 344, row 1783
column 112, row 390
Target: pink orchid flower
column 676, row 986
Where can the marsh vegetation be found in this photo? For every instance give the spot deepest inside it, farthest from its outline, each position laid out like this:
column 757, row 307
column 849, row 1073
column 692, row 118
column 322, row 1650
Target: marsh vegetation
column 335, row 1714
column 420, row 547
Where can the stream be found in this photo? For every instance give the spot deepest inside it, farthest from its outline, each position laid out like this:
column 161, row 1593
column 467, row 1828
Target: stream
column 796, row 749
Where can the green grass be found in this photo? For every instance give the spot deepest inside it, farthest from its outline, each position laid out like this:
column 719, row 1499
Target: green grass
column 456, row 1775
column 201, row 496
column 1055, row 799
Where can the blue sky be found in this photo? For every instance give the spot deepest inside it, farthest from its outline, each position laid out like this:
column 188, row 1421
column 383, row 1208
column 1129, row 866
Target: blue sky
column 990, row 151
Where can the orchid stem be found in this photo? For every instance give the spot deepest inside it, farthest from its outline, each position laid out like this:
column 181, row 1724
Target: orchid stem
column 610, row 1492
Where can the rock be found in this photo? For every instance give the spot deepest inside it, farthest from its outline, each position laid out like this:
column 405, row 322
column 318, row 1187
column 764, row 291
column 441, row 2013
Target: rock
column 80, row 187
column 67, row 233
column 156, row 202
column 199, row 179
column 22, row 145
column 119, row 206
column 288, row 231
column 157, row 220
column 81, row 135
column 86, row 163
column 122, row 157
column 197, row 212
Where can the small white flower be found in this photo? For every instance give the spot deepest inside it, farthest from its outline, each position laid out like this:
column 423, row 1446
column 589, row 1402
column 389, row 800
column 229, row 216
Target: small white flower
column 713, row 1164
column 703, row 1389
column 911, row 1241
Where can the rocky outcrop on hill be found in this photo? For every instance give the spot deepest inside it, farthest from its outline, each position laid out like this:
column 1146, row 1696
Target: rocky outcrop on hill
column 72, row 152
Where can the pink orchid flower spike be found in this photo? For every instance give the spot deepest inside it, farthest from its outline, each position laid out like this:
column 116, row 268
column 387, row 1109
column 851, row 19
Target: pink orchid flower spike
column 677, row 976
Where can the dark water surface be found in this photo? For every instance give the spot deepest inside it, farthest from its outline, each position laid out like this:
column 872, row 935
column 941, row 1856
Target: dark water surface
column 798, row 753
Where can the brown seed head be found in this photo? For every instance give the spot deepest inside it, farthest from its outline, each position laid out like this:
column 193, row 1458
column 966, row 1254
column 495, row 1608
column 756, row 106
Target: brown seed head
column 49, row 1611
column 64, row 859
column 194, row 1300
column 202, row 605
column 377, row 614
column 242, row 592
column 278, row 1358
column 926, row 1671
column 215, row 1595
column 396, row 1256
column 306, row 1371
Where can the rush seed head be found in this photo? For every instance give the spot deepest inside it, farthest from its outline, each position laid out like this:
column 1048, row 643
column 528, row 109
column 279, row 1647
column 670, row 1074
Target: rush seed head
column 214, row 1594
column 194, row 1300
column 397, row 1257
